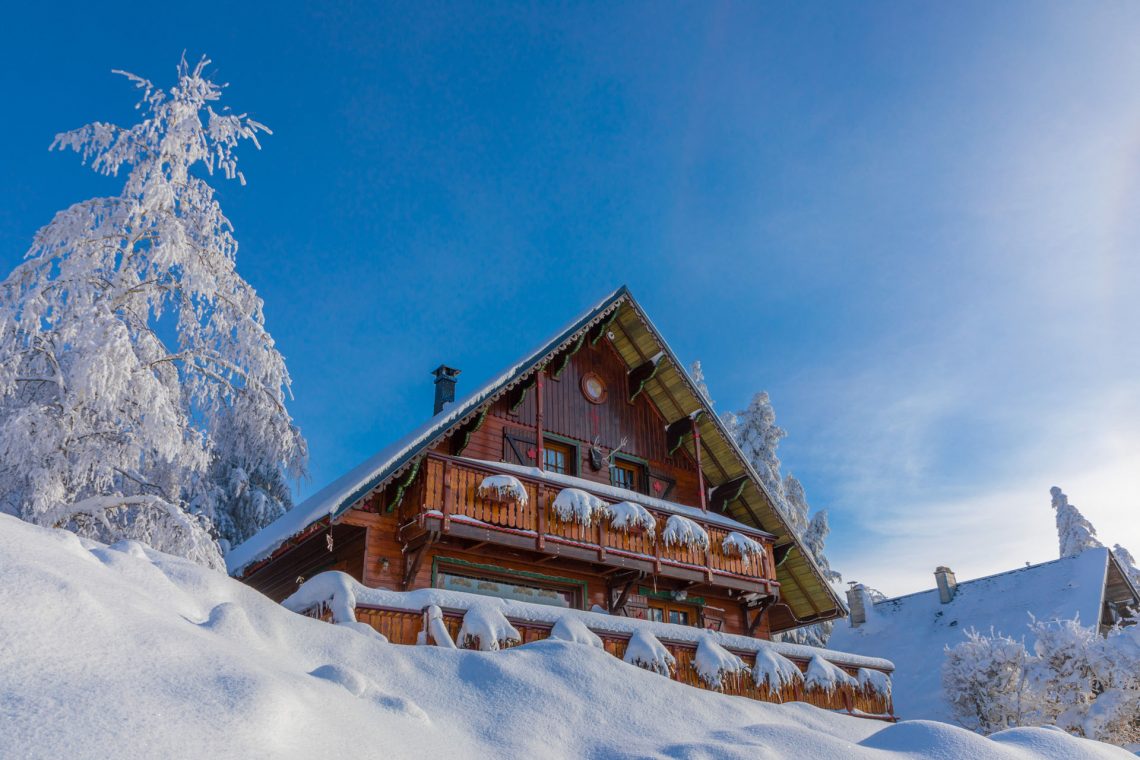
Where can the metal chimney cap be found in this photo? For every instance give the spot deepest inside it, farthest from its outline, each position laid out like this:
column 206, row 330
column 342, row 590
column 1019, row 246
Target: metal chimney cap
column 445, row 372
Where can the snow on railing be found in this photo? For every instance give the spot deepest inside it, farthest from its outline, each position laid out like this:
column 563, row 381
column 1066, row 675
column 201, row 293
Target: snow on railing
column 436, row 628
column 825, row 676
column 502, row 488
column 684, row 532
column 575, row 505
column 774, row 671
column 738, row 544
column 487, row 629
column 645, row 651
column 875, row 682
column 572, row 629
column 713, row 662
column 627, row 515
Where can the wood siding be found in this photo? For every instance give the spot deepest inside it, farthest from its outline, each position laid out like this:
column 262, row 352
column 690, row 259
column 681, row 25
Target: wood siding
column 568, row 414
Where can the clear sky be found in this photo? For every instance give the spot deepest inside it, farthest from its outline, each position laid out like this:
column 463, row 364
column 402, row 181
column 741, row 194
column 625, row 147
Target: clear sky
column 915, row 225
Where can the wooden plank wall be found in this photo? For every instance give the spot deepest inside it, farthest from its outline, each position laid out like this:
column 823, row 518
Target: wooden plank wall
column 278, row 579
column 567, row 413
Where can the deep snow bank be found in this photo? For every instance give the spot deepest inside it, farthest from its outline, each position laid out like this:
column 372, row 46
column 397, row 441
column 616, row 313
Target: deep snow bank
column 124, row 652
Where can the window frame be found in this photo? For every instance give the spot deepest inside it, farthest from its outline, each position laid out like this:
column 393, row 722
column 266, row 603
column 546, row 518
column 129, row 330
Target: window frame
column 573, row 453
column 639, row 469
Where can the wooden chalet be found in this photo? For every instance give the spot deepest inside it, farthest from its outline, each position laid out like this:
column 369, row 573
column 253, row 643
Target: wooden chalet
column 476, row 499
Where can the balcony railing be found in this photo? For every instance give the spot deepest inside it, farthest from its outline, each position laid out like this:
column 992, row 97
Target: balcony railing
column 446, row 497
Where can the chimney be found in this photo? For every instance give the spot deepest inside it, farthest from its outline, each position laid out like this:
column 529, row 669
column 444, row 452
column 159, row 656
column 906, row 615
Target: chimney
column 857, row 601
column 947, row 584
column 444, row 387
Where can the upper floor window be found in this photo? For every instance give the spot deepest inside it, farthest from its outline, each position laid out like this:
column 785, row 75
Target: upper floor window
column 559, row 457
column 628, row 475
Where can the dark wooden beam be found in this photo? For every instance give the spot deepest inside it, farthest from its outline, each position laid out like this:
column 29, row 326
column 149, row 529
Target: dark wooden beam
column 726, row 493
column 675, row 434
column 414, row 561
column 642, row 374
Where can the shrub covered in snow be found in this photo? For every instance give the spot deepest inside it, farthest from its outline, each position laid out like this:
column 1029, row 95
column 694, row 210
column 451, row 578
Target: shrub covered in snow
column 713, row 662
column 576, row 505
column 645, row 651
column 487, row 629
column 569, row 628
column 626, row 515
column 502, row 488
column 774, row 670
column 684, row 532
column 985, row 682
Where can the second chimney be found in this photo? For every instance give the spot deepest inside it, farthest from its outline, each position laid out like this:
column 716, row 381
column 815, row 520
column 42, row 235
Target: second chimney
column 444, row 387
column 947, row 584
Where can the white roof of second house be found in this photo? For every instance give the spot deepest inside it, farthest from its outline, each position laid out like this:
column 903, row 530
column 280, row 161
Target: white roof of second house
column 913, row 631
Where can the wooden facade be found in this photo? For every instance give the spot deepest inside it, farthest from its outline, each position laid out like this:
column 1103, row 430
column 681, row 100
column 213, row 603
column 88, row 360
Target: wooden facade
column 599, row 411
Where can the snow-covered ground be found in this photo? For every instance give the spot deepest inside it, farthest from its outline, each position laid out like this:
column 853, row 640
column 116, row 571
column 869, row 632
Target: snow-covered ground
column 123, row 652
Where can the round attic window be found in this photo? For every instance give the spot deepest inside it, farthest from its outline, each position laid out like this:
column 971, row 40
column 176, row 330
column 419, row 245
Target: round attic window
column 593, row 388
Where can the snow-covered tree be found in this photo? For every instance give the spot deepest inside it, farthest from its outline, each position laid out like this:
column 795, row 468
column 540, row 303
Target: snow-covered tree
column 984, row 679
column 1127, row 563
column 758, row 435
column 698, row 375
column 1074, row 532
column 796, row 508
column 137, row 377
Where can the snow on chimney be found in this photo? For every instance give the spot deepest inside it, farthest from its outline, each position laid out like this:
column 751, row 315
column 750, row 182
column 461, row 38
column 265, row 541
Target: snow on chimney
column 947, row 584
column 444, row 387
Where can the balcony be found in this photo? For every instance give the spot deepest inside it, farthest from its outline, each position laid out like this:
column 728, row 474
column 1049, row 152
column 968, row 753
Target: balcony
column 444, row 499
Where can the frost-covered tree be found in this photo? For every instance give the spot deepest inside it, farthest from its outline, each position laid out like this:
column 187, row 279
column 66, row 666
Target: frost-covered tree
column 984, row 680
column 1074, row 532
column 796, row 507
column 1127, row 563
column 758, row 435
column 1075, row 679
column 698, row 375
column 137, row 377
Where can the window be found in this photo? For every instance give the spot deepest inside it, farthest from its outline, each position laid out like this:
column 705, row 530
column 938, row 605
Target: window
column 668, row 612
column 627, row 475
column 559, row 457
column 504, row 586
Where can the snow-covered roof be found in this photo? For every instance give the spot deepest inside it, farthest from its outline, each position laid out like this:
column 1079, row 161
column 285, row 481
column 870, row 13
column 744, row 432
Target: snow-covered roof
column 622, row 494
column 915, row 629
column 346, row 490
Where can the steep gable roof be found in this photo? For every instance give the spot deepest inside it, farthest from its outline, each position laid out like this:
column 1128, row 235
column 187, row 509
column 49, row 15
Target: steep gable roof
column 805, row 595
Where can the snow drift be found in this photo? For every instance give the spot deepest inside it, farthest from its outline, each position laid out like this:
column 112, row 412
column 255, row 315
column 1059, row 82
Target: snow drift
column 125, row 652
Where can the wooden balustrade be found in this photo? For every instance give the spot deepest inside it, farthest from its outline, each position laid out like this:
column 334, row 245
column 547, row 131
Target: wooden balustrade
column 450, row 486
column 404, row 626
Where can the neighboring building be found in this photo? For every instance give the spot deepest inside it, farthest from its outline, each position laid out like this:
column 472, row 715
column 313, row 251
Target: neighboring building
column 914, row 630
column 603, row 407
column 590, row 481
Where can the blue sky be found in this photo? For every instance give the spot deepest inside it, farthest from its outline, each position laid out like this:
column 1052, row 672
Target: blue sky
column 914, row 225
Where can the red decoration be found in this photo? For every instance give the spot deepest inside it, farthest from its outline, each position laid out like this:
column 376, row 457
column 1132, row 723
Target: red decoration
column 531, row 453
column 657, row 486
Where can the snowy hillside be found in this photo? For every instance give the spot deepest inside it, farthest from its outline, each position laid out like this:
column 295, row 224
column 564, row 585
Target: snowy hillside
column 914, row 630
column 123, row 652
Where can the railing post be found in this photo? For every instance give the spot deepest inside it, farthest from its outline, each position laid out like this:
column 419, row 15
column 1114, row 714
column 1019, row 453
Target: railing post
column 601, row 540
column 540, row 518
column 708, row 557
column 446, row 508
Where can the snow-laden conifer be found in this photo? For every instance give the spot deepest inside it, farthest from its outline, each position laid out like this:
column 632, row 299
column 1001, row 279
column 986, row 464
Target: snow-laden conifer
column 1074, row 532
column 758, row 435
column 141, row 395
